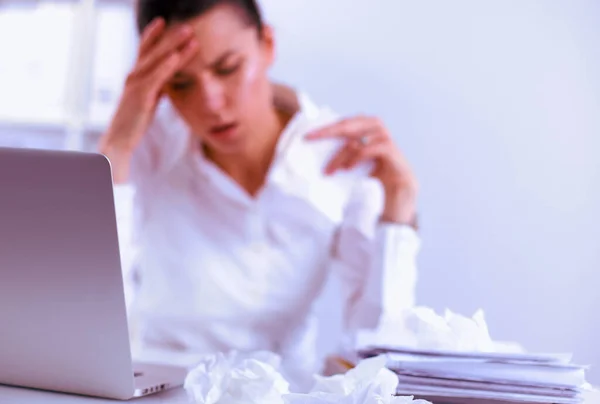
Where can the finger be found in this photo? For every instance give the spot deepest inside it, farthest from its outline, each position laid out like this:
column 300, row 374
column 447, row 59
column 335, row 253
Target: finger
column 339, row 161
column 188, row 52
column 349, row 128
column 369, row 152
column 163, row 49
column 165, row 71
column 166, row 45
column 151, row 34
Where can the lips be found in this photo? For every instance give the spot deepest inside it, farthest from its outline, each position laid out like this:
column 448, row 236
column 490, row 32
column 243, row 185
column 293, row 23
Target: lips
column 223, row 130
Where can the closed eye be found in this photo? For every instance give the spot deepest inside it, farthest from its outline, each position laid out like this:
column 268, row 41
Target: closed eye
column 181, row 85
column 227, row 70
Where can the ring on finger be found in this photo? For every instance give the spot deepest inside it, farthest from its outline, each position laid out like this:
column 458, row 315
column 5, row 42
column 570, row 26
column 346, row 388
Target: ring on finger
column 363, row 140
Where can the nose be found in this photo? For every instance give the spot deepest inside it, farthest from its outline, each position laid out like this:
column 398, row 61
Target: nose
column 213, row 95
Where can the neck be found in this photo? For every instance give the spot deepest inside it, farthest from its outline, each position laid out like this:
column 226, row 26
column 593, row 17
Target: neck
column 250, row 166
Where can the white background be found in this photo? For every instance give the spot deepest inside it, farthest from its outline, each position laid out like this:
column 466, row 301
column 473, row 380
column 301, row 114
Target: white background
column 496, row 103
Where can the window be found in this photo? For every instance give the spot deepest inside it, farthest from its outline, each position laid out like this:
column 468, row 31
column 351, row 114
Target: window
column 62, row 69
column 34, row 66
column 115, row 50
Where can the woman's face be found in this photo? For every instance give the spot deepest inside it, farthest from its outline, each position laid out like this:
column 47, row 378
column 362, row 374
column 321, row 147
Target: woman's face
column 225, row 92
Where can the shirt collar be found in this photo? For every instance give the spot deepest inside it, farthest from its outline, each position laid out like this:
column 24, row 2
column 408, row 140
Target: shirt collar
column 294, row 157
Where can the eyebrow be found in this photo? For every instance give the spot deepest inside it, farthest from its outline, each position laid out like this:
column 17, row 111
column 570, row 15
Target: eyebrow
column 221, row 59
column 216, row 63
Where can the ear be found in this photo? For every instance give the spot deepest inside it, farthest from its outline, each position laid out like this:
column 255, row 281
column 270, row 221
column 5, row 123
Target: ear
column 268, row 44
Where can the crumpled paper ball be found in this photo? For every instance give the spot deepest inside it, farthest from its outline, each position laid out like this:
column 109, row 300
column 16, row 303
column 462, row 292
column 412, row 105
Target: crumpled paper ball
column 237, row 378
column 423, row 328
column 451, row 331
column 370, row 382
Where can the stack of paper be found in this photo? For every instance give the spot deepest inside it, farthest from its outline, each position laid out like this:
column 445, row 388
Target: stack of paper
column 464, row 377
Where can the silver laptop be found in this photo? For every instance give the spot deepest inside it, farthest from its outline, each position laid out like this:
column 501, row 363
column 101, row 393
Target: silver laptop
column 63, row 321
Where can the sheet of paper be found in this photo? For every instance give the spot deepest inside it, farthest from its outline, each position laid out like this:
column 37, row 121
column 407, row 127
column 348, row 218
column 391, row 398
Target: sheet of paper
column 486, row 386
column 427, row 392
column 444, row 354
column 491, row 371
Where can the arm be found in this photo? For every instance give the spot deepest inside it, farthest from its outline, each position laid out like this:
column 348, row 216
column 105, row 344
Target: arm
column 130, row 194
column 376, row 261
column 376, row 247
column 129, row 197
column 124, row 197
column 161, row 54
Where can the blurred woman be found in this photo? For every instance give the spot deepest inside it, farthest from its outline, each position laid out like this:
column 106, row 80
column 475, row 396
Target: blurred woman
column 247, row 195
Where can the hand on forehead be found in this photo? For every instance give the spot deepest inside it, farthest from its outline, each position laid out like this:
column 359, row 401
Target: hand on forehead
column 218, row 32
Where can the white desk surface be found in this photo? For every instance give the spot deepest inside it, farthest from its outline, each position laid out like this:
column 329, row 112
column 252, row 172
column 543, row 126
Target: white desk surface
column 13, row 395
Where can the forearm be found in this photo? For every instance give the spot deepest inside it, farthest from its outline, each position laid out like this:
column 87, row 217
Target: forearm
column 388, row 284
column 400, row 207
column 119, row 157
column 394, row 267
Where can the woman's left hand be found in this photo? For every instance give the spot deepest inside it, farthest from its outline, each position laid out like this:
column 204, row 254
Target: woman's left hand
column 367, row 139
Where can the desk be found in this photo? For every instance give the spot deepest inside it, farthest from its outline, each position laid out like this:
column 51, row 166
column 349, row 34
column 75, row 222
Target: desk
column 14, row 395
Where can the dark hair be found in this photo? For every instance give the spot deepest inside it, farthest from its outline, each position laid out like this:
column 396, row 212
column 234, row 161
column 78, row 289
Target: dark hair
column 173, row 11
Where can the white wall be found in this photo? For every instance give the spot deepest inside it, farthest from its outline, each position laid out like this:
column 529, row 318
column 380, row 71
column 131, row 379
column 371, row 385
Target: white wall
column 497, row 104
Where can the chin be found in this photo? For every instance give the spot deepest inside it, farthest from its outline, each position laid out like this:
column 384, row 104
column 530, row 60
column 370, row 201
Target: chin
column 226, row 146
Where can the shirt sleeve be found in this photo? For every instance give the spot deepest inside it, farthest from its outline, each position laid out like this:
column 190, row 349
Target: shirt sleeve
column 124, row 196
column 127, row 205
column 376, row 261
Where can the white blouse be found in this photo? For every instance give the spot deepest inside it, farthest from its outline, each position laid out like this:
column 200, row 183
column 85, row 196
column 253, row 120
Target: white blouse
column 210, row 268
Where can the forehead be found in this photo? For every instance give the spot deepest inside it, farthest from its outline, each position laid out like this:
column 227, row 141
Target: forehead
column 221, row 29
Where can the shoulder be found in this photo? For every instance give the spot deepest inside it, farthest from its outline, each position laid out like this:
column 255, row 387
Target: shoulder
column 311, row 156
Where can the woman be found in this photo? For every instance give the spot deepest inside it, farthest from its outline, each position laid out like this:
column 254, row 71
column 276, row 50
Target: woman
column 247, row 194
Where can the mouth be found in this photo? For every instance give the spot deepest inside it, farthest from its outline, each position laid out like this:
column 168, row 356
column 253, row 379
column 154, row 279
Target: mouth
column 224, row 130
